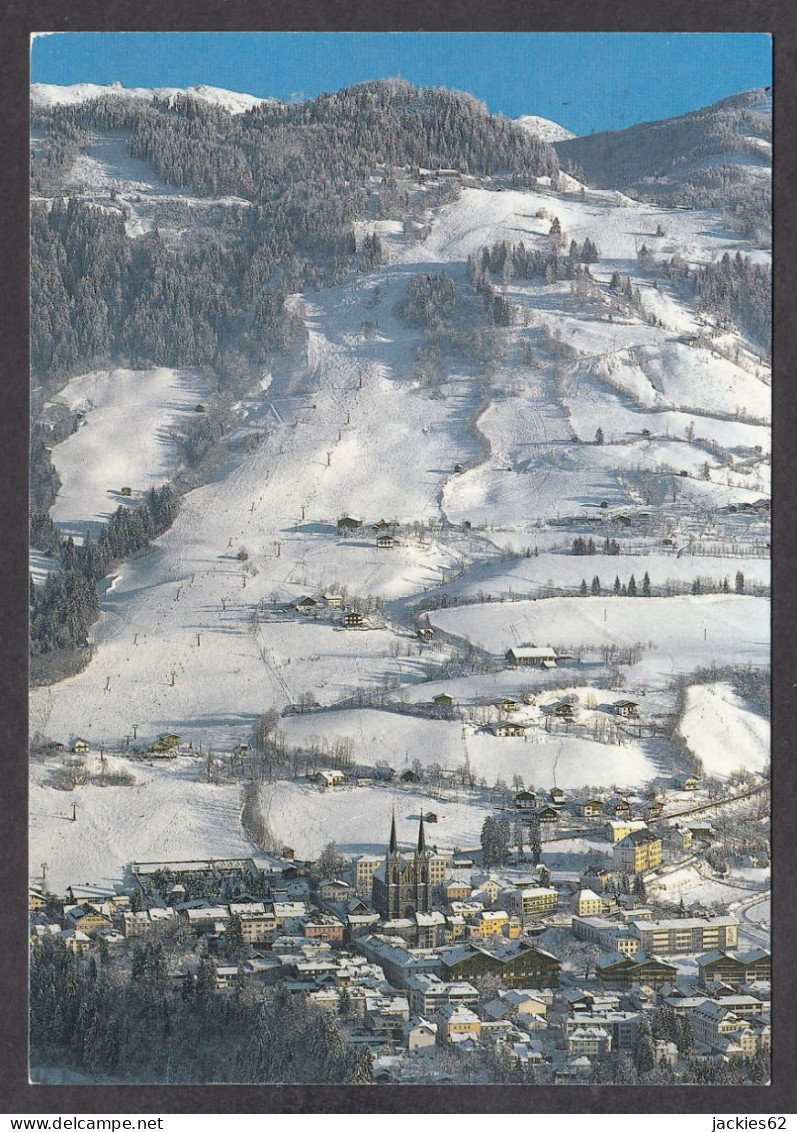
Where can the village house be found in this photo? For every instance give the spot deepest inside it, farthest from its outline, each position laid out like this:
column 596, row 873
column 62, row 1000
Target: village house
column 333, row 890
column 305, row 604
column 618, row 830
column 386, row 542
column 625, row 708
column 75, row 940
column 665, row 1053
column 610, row 935
column 430, row 929
column 36, row 900
column 329, row 779
column 620, row 1025
column 80, row 746
column 333, row 601
column 522, row 1003
column 588, row 808
column 596, row 878
column 325, row 927
column 559, row 710
column 455, row 890
column 485, row 924
column 458, row 1023
column 588, row 903
column 505, row 728
column 533, row 901
column 531, row 656
column 290, row 915
column 443, row 700
column 618, row 808
column 349, row 523
column 654, row 810
column 525, row 800
column 711, row 1022
column 589, row 1041
column 419, row 1034
column 256, row 926
column 689, row 782
column 87, row 918
column 227, row 976
column 507, row 704
column 557, row 796
column 679, row 838
column 363, row 869
column 387, row 1015
column 428, row 992
column 547, row 815
column 638, row 851
column 425, row 633
column 352, row 619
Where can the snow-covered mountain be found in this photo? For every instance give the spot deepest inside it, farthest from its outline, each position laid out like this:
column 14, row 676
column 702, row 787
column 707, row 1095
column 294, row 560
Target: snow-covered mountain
column 715, row 155
column 543, row 128
column 46, row 94
column 561, row 399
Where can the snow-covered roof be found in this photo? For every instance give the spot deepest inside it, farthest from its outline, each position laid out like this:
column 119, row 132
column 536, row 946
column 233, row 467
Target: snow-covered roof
column 532, row 652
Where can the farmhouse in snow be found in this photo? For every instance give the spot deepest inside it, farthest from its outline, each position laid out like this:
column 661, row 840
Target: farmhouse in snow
column 329, row 778
column 531, row 656
column 349, row 523
column 506, row 728
column 625, row 708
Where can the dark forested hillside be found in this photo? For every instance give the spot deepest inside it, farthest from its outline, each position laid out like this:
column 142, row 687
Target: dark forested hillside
column 713, row 157
column 99, row 296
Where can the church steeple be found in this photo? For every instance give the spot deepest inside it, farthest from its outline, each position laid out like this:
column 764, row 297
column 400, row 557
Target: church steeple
column 393, row 847
column 421, row 837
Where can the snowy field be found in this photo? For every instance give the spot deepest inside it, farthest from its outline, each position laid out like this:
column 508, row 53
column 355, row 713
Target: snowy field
column 723, row 733
column 541, row 758
column 684, row 632
column 170, row 813
column 358, row 819
column 124, row 439
column 690, row 885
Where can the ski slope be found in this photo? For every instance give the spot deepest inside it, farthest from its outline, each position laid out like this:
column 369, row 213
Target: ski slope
column 124, row 439
column 723, row 732
column 170, row 813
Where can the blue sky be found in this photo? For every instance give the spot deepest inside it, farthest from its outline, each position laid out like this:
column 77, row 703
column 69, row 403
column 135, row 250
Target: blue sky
column 586, row 81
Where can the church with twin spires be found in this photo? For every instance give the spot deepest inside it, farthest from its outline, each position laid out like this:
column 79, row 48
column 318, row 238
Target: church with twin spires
column 403, row 883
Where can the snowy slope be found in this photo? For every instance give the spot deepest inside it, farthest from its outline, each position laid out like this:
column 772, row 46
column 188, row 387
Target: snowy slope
column 723, row 732
column 169, row 813
column 47, row 94
column 124, row 439
column 540, row 758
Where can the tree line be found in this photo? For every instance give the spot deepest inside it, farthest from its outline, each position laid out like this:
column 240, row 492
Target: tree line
column 139, row 1028
column 64, row 608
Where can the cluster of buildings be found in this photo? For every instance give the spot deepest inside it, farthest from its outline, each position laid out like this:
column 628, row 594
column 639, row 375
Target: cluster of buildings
column 418, row 950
